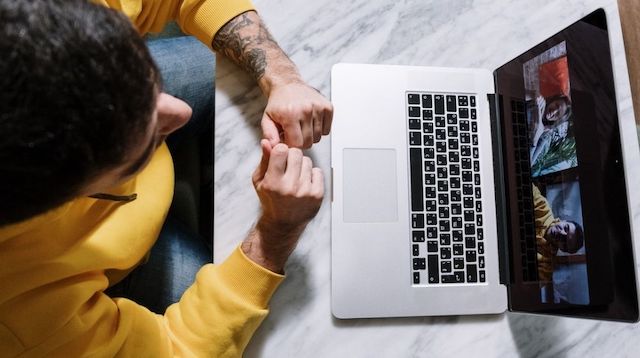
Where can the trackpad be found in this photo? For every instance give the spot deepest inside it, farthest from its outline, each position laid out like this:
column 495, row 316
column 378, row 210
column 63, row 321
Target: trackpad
column 370, row 185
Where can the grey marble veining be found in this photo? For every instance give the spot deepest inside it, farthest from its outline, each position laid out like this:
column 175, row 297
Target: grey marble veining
column 460, row 33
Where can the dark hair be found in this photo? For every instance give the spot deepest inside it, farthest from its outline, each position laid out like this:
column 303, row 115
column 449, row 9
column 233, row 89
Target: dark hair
column 579, row 235
column 77, row 90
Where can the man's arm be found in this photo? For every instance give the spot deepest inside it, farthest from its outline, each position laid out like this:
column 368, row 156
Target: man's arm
column 296, row 113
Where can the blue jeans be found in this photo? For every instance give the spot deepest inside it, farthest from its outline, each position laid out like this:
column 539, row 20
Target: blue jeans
column 188, row 72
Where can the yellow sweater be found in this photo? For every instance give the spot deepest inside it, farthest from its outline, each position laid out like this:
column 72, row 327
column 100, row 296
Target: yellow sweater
column 546, row 251
column 53, row 267
column 52, row 279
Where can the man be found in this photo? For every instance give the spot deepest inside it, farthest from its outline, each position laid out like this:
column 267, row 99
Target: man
column 552, row 234
column 85, row 185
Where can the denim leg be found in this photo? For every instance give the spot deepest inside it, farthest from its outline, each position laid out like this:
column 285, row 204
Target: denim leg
column 173, row 263
column 187, row 69
column 188, row 72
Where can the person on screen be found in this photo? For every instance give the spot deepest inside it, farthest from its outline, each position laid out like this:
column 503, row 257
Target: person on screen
column 552, row 234
column 553, row 146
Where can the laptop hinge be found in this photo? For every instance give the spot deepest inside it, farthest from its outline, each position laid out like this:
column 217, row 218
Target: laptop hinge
column 495, row 112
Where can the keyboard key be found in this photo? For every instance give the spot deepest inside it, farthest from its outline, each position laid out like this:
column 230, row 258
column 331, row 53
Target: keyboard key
column 453, row 143
column 480, row 234
column 454, row 156
column 464, row 125
column 439, row 103
column 416, row 278
column 432, row 232
column 478, row 206
column 479, row 220
column 414, row 138
column 472, row 273
column 433, row 269
column 467, row 189
column 458, row 250
column 413, row 98
column 473, row 113
column 469, row 216
column 456, row 221
column 429, row 179
column 427, row 128
column 457, row 235
column 445, row 253
column 481, row 261
column 428, row 140
column 476, row 179
column 416, row 179
column 456, row 209
column 416, row 249
column 476, row 153
column 441, row 159
column 429, row 153
column 426, row 101
column 419, row 264
column 445, row 267
column 454, row 182
column 465, row 151
column 456, row 195
column 482, row 276
column 432, row 246
column 443, row 199
column 465, row 138
column 472, row 101
column 445, row 239
column 414, row 112
column 414, row 123
column 430, row 205
column 474, row 127
column 429, row 166
column 430, row 192
column 469, row 229
column 427, row 115
column 458, row 263
column 474, row 139
column 443, row 185
column 470, row 256
column 476, row 165
column 452, row 118
column 417, row 236
column 470, row 242
column 417, row 221
column 441, row 147
column 441, row 134
column 478, row 193
column 459, row 275
column 432, row 219
column 444, row 226
column 440, row 122
column 463, row 113
column 443, row 212
column 463, row 101
column 481, row 248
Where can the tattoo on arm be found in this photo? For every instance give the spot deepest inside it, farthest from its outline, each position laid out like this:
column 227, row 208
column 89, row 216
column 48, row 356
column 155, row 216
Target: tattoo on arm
column 246, row 41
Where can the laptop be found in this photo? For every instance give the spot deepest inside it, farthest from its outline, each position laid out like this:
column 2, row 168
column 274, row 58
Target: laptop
column 467, row 191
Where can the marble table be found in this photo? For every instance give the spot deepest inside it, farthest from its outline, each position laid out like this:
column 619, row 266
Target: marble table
column 460, row 33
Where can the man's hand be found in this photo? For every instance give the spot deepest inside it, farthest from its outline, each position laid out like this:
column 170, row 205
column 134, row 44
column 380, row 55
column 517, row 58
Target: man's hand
column 290, row 192
column 296, row 114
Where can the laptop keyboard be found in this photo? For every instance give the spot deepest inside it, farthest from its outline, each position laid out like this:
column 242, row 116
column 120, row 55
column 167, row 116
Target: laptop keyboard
column 447, row 244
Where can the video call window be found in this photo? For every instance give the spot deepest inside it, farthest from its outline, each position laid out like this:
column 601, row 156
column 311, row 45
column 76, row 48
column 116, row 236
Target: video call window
column 562, row 264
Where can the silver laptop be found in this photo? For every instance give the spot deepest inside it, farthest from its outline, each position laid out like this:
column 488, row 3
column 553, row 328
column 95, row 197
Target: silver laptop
column 470, row 191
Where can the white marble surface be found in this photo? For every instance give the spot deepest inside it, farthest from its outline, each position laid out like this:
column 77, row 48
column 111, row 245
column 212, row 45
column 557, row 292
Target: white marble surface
column 458, row 33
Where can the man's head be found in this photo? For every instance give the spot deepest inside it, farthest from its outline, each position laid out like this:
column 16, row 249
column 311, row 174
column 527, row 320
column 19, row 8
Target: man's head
column 556, row 109
column 568, row 236
column 79, row 104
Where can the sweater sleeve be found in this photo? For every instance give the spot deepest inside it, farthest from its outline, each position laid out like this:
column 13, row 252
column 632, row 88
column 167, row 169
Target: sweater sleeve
column 200, row 18
column 215, row 317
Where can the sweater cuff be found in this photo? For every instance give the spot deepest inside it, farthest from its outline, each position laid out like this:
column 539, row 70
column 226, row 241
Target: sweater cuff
column 208, row 17
column 251, row 281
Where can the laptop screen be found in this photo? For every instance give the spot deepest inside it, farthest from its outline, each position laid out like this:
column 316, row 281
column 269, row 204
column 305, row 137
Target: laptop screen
column 566, row 211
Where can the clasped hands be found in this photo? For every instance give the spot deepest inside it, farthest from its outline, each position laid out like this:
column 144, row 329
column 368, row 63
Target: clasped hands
column 290, row 189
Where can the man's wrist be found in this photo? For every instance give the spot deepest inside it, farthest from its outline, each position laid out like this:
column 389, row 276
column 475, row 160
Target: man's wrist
column 270, row 244
column 282, row 75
